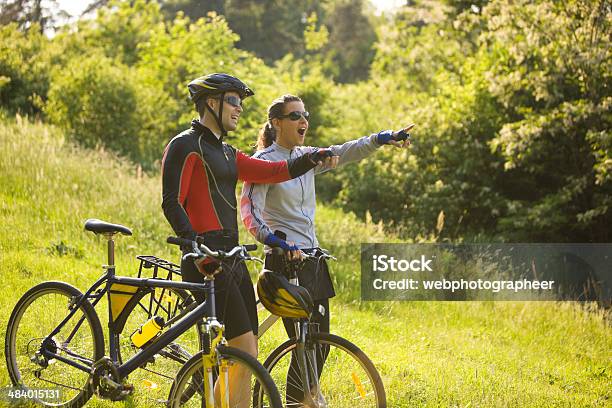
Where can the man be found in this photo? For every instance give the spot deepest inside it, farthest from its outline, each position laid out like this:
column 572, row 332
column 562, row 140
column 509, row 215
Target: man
column 199, row 176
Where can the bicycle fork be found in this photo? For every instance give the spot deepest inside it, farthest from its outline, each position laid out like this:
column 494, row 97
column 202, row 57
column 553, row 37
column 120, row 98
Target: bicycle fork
column 209, row 385
column 211, row 361
column 209, row 381
column 309, row 370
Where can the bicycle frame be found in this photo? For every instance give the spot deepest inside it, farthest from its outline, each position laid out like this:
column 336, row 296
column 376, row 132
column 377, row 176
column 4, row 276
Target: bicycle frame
column 300, row 361
column 102, row 286
column 302, row 330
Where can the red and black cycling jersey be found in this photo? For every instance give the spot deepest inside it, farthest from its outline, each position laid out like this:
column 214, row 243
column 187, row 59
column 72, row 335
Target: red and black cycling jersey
column 199, row 175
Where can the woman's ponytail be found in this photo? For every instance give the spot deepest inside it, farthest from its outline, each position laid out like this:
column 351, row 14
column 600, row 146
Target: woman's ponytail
column 267, row 135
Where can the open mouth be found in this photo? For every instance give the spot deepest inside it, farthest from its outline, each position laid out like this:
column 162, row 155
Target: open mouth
column 302, row 131
column 235, row 117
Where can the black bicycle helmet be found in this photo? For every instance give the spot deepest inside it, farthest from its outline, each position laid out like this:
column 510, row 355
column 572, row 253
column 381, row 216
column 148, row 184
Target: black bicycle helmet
column 217, row 84
column 282, row 298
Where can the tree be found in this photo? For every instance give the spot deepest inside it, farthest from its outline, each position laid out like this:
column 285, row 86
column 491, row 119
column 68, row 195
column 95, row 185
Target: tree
column 513, row 142
column 24, row 69
column 194, row 9
column 270, row 28
column 553, row 77
column 31, row 13
column 94, row 100
column 351, row 40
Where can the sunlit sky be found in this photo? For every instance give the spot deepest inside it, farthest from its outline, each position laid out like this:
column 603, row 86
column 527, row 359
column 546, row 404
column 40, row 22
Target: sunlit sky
column 76, row 7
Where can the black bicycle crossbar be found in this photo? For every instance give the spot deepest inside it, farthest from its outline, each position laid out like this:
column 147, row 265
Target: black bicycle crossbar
column 161, row 283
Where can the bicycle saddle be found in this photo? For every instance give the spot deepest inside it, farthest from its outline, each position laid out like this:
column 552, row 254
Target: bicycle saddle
column 100, row 227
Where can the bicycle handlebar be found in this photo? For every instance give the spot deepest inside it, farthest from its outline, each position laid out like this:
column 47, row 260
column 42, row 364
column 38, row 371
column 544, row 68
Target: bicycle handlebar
column 320, row 253
column 202, row 251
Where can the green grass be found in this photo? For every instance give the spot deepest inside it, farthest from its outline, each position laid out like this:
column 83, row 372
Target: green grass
column 465, row 354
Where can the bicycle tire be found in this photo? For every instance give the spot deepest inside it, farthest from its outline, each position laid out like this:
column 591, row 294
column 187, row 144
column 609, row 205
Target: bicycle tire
column 157, row 375
column 193, row 369
column 349, row 377
column 53, row 301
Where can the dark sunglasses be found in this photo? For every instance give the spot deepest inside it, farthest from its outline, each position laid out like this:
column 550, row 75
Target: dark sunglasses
column 295, row 115
column 235, row 101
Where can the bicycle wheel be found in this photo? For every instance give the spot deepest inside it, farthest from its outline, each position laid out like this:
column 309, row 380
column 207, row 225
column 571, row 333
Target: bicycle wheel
column 39, row 311
column 156, row 376
column 191, row 375
column 348, row 377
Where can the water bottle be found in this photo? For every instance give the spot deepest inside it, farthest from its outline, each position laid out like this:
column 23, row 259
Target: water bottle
column 148, row 331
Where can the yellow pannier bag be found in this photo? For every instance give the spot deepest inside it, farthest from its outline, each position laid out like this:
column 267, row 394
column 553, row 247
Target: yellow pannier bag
column 120, row 295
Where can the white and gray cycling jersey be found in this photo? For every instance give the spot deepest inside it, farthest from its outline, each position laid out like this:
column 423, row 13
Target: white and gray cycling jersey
column 290, row 206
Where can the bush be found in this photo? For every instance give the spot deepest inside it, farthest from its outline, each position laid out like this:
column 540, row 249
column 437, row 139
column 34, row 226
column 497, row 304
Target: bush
column 24, row 78
column 95, row 100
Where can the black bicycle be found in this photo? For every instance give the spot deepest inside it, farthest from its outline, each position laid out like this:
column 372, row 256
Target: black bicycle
column 322, row 369
column 55, row 339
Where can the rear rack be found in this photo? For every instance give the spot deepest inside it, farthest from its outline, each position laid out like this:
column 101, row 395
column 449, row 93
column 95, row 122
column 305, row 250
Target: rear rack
column 151, row 261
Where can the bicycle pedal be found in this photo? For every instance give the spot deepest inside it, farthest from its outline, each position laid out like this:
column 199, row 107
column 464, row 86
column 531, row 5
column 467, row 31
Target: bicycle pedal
column 121, row 393
column 127, row 389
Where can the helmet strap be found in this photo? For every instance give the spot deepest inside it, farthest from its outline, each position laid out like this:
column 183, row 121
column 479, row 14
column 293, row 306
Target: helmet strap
column 218, row 118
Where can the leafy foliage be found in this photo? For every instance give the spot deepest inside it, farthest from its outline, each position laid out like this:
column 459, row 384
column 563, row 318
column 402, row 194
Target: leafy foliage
column 552, row 78
column 351, row 40
column 513, row 137
column 94, row 99
column 511, row 100
column 24, row 69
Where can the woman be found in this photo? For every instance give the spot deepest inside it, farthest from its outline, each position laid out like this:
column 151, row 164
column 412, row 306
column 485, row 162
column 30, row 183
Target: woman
column 199, row 175
column 289, row 207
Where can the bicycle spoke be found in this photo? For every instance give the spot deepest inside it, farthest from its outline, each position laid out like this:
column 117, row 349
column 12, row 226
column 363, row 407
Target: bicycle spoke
column 236, row 378
column 79, row 339
column 345, row 375
column 158, row 374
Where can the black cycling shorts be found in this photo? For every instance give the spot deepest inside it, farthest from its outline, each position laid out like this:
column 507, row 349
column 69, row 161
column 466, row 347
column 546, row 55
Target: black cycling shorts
column 234, row 297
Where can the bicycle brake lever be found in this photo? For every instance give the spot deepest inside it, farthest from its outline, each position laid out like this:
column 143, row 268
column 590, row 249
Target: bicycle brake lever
column 190, row 255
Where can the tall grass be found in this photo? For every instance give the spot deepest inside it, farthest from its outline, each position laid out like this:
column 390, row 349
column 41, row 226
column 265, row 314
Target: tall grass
column 469, row 354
